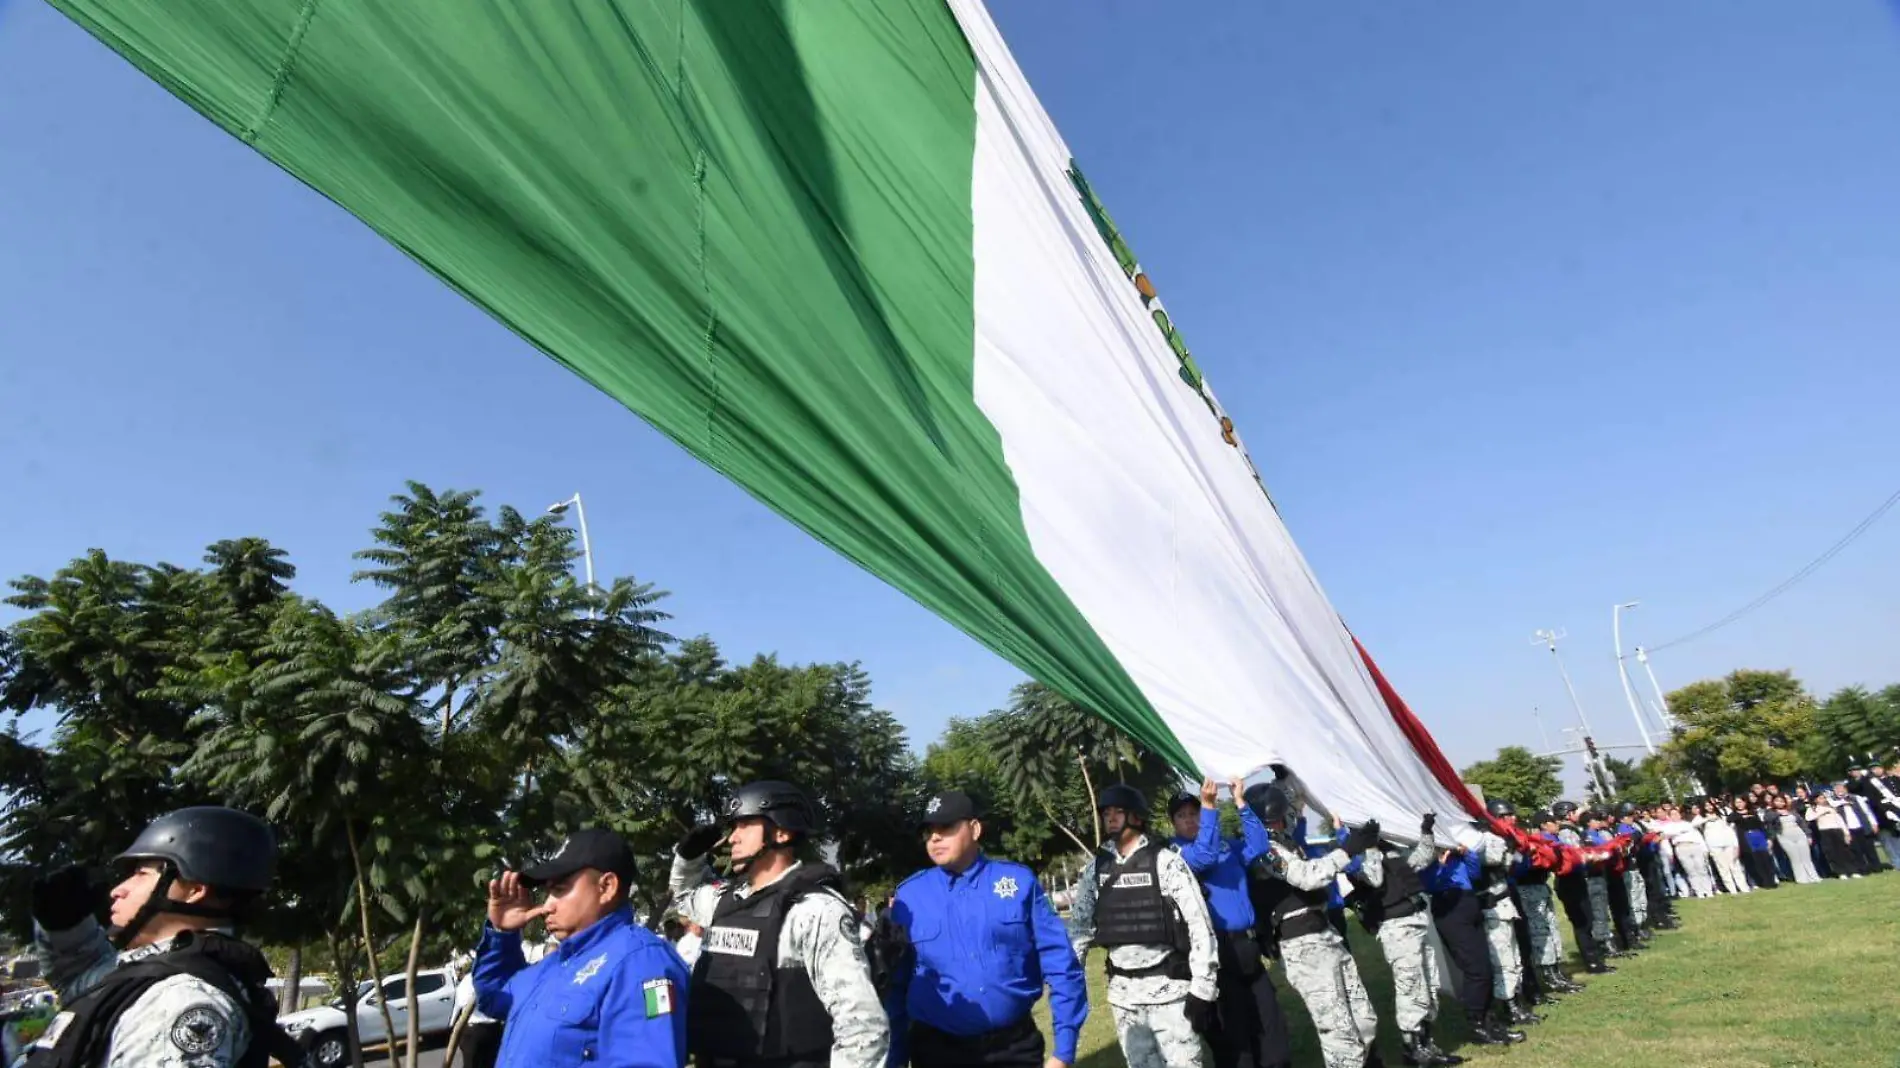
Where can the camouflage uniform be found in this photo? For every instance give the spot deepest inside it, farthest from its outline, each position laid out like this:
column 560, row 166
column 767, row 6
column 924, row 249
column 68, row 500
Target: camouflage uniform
column 1599, row 909
column 1320, row 966
column 1542, row 915
column 1500, row 933
column 1151, row 1011
column 1639, row 894
column 821, row 936
column 1407, row 945
column 181, row 1022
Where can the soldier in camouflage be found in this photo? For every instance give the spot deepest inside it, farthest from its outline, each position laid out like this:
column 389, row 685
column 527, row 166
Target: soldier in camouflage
column 1141, row 901
column 782, row 975
column 172, row 987
column 1540, row 908
column 1293, row 891
column 1500, row 916
column 1392, row 904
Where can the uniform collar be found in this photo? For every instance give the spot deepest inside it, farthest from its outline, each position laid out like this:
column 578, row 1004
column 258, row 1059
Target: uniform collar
column 745, row 889
column 969, row 874
column 601, row 928
column 177, row 941
column 1141, row 843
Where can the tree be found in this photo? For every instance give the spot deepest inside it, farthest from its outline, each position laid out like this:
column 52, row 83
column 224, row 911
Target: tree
column 1644, row 782
column 1747, row 727
column 1517, row 775
column 1054, row 757
column 92, row 652
column 693, row 728
column 1852, row 724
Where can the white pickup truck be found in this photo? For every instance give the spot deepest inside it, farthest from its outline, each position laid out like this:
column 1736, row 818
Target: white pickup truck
column 323, row 1031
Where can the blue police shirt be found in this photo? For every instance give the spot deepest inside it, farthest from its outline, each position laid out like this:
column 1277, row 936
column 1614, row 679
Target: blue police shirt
column 1458, row 873
column 1222, row 868
column 986, row 940
column 613, row 995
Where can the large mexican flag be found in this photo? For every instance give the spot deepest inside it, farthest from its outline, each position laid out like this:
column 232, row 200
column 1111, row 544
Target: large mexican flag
column 837, row 250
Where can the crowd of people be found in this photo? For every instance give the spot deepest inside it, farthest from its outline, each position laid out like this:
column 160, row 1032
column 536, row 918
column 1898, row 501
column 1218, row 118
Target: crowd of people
column 772, row 966
column 1763, row 837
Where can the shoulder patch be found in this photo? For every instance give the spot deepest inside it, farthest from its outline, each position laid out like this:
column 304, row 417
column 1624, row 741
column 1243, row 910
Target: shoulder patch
column 659, row 996
column 199, row 1030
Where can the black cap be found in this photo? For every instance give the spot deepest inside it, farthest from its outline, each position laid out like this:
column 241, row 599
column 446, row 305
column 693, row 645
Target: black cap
column 1182, row 800
column 948, row 807
column 596, row 848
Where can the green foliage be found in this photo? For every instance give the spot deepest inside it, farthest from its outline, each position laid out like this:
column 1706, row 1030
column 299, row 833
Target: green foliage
column 1750, row 726
column 1052, row 757
column 1645, row 782
column 488, row 705
column 1853, row 724
column 1519, row 776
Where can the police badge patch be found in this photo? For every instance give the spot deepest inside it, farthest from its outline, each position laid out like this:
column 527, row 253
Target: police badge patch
column 198, row 1030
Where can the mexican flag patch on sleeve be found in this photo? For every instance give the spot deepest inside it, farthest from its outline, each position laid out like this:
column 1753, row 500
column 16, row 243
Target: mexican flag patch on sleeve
column 659, row 994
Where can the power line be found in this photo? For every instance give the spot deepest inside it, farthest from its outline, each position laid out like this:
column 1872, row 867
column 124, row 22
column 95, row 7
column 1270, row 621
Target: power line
column 1813, row 566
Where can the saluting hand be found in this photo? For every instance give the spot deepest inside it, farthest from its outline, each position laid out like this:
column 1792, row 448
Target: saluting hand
column 511, row 905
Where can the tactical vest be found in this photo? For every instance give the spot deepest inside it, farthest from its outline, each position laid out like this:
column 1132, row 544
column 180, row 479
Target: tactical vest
column 746, row 1006
column 1492, row 889
column 1400, row 896
column 1286, row 911
column 81, row 1035
column 1131, row 910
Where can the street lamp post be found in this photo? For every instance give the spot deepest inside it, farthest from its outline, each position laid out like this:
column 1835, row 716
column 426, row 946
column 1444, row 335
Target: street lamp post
column 1662, row 704
column 587, row 547
column 1622, row 672
column 1548, row 639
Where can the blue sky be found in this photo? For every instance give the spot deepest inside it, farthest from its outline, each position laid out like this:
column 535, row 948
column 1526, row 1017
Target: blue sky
column 1523, row 309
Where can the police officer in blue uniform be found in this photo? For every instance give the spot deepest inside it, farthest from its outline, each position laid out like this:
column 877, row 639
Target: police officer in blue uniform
column 611, row 995
column 1252, row 1031
column 984, row 942
column 1454, row 883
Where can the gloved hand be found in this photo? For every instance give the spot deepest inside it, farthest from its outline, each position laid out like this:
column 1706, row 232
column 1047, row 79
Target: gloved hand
column 1425, row 825
column 1361, row 838
column 698, row 842
column 62, row 899
column 1200, row 1015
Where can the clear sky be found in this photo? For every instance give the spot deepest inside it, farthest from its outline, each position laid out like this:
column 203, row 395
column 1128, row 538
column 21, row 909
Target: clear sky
column 1523, row 309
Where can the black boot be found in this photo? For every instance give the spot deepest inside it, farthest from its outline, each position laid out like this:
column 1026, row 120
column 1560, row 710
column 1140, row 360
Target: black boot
column 1483, row 1032
column 1501, row 1012
column 1373, row 1060
column 1599, row 967
column 1520, row 1011
column 1555, row 979
column 1431, row 1048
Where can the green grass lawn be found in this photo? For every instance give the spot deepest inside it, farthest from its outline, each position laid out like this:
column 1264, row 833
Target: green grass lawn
column 1800, row 977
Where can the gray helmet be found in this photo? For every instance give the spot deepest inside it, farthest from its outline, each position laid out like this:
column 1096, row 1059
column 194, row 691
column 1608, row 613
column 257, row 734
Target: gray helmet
column 1271, row 802
column 1125, row 797
column 1626, row 809
column 1500, row 808
column 220, row 847
column 1563, row 810
column 785, row 805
